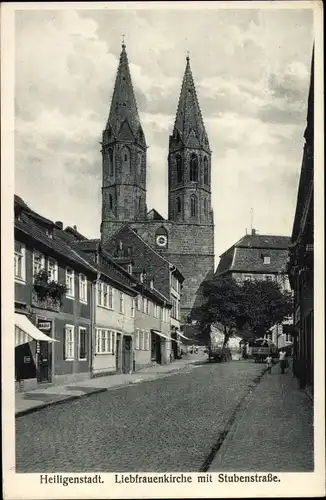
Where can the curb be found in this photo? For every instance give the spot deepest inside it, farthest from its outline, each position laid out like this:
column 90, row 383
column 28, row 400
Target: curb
column 72, row 397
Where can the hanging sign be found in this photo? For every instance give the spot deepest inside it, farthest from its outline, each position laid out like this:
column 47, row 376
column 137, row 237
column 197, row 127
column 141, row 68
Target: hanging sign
column 44, row 325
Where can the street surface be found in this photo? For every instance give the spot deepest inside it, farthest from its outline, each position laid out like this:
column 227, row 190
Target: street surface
column 169, row 424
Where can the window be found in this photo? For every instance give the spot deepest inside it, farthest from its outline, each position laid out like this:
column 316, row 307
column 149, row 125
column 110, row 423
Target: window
column 205, row 207
column 288, row 337
column 178, row 205
column 137, row 302
column 20, row 263
column 137, row 339
column 70, row 283
column 104, row 341
column 178, row 161
column 129, row 268
column 132, row 308
column 125, row 160
column 160, row 313
column 268, row 277
column 267, row 259
column 206, row 181
column 69, row 342
column 148, row 307
column 147, row 341
column 111, row 165
column 247, row 277
column 193, row 168
column 142, row 340
column 104, row 295
column 144, row 305
column 82, row 344
column 174, row 311
column 83, row 288
column 38, row 262
column 53, row 270
column 121, row 303
column 193, row 206
column 111, row 201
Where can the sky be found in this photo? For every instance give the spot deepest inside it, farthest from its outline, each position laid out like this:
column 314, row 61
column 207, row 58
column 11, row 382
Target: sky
column 251, row 70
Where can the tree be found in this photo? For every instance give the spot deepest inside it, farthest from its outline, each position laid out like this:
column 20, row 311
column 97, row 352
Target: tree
column 222, row 305
column 248, row 308
column 264, row 305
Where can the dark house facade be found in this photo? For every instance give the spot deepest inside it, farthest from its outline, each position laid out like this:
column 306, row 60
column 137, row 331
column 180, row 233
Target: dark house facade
column 301, row 264
column 52, row 328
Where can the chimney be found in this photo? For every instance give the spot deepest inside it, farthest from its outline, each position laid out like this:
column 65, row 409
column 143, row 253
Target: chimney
column 59, row 224
column 75, row 228
column 253, row 232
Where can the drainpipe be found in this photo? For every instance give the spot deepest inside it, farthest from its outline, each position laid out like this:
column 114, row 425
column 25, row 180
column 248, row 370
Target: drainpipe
column 93, row 323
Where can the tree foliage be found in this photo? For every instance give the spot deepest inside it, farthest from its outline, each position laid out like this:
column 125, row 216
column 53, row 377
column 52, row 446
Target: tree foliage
column 247, row 308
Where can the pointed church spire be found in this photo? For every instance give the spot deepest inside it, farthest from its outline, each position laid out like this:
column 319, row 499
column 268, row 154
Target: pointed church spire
column 189, row 122
column 124, row 118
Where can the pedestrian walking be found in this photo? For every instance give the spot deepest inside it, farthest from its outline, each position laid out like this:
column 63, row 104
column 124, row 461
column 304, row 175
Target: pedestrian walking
column 283, row 360
column 269, row 363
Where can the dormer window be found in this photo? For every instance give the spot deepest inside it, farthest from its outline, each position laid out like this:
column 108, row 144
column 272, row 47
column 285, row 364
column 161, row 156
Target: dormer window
column 267, row 259
column 141, row 277
column 49, row 233
column 130, row 268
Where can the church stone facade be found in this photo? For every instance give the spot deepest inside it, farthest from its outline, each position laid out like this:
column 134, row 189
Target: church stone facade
column 186, row 238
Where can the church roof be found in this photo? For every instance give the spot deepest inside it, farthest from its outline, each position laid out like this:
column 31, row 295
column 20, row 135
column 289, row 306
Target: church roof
column 154, row 215
column 123, row 121
column 189, row 125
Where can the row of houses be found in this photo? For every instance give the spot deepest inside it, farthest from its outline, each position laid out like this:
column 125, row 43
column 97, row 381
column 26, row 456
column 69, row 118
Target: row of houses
column 82, row 310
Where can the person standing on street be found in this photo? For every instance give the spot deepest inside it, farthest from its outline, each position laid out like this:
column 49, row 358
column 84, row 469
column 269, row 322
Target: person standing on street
column 282, row 360
column 269, row 362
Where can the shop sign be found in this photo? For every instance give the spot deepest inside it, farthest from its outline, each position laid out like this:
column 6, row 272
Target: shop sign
column 44, row 325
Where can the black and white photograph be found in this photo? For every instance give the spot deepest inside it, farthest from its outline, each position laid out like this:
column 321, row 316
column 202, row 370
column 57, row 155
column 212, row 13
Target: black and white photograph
column 163, row 249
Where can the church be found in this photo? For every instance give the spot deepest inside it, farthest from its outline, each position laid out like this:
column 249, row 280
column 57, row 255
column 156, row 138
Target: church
column 186, row 238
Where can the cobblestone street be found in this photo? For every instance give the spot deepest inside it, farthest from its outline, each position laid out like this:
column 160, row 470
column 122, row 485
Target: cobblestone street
column 169, row 424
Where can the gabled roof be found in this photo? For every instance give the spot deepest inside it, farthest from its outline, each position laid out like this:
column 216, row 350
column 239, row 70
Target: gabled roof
column 123, row 122
column 76, row 234
column 154, row 215
column 247, row 255
column 189, row 125
column 126, row 227
column 55, row 245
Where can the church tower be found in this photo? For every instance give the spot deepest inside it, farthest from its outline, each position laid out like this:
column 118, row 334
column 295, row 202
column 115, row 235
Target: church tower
column 123, row 157
column 189, row 160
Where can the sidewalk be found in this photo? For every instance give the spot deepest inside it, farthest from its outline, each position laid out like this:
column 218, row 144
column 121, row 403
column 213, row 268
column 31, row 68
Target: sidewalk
column 27, row 402
column 273, row 432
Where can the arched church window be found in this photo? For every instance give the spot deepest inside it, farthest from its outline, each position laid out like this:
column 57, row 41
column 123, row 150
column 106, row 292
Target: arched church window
column 193, row 168
column 205, row 207
column 111, row 166
column 179, row 168
column 178, row 205
column 111, row 202
column 206, row 171
column 193, row 206
column 125, row 160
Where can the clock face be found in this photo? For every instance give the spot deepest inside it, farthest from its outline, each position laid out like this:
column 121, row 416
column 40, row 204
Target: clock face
column 161, row 240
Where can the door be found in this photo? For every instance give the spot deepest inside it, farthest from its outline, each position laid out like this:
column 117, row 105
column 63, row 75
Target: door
column 126, row 354
column 117, row 353
column 158, row 350
column 44, row 362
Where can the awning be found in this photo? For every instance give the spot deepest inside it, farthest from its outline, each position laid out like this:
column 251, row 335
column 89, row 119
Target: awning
column 161, row 335
column 183, row 336
column 25, row 331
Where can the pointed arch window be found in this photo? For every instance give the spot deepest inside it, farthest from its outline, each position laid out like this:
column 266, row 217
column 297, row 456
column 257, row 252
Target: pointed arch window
column 206, row 182
column 178, row 160
column 111, row 202
column 111, row 162
column 205, row 207
column 193, row 168
column 125, row 160
column 193, row 206
column 178, row 205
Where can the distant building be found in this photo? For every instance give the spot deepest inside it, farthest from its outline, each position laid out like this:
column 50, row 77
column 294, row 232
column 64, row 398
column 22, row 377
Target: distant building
column 262, row 257
column 53, row 330
column 301, row 265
